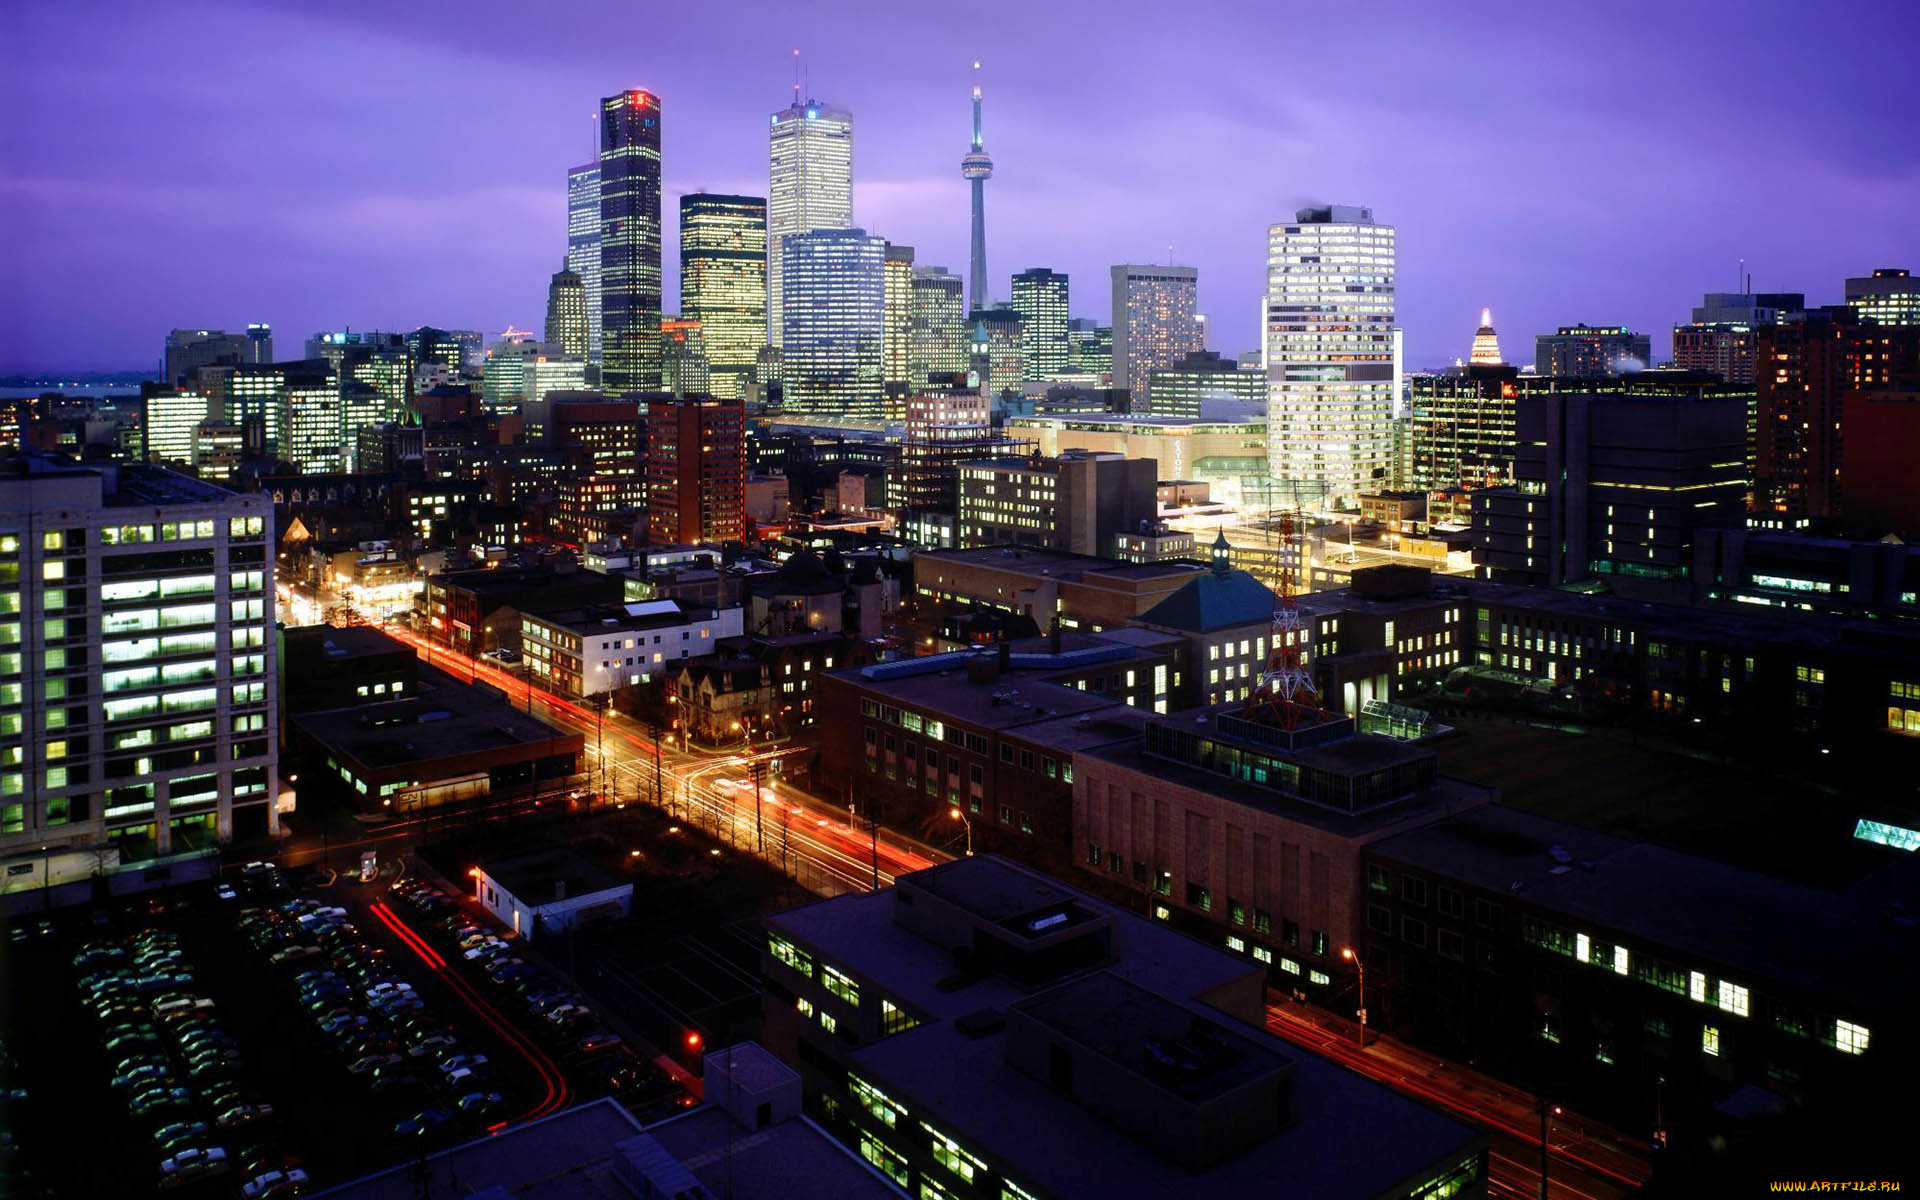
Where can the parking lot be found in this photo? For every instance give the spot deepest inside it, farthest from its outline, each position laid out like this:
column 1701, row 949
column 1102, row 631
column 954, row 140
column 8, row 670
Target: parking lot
column 301, row 1032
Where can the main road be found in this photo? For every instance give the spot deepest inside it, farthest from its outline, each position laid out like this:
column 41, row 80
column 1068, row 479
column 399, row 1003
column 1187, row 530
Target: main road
column 816, row 842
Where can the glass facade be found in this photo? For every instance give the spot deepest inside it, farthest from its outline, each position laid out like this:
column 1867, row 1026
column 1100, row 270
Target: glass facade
column 583, row 242
column 833, row 314
column 809, row 187
column 630, row 242
column 723, row 283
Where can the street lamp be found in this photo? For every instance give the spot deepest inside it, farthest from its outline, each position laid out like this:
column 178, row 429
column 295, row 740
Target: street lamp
column 961, row 817
column 1347, row 953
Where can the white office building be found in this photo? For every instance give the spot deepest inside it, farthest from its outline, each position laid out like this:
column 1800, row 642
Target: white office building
column 137, row 679
column 1331, row 356
column 585, row 651
column 833, row 311
column 809, row 187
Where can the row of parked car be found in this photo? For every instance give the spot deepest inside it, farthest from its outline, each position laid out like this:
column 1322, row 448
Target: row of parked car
column 541, row 1000
column 380, row 1028
column 178, row 1069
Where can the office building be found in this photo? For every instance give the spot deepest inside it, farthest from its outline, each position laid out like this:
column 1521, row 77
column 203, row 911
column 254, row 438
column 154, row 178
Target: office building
column 1720, row 336
column 630, row 242
column 937, row 333
column 1332, row 355
column 1040, row 297
column 1228, row 455
column 1611, row 485
column 834, row 316
column 583, row 242
column 1462, row 425
column 543, row 374
column 696, row 470
column 897, row 322
column 809, row 187
column 685, row 369
column 1805, row 572
column 172, row 413
column 581, row 652
column 427, row 346
column 1880, row 430
column 138, row 717
column 1083, row 1050
column 1090, row 349
column 1621, row 969
column 1806, row 370
column 1202, row 380
column 995, row 356
column 314, row 441
column 218, row 448
column 190, row 349
column 259, row 344
column 1078, row 502
column 1086, row 593
column 1155, row 320
column 1591, row 352
column 566, row 329
column 723, row 284
column 1486, row 343
column 504, row 376
column 1889, row 296
column 942, row 431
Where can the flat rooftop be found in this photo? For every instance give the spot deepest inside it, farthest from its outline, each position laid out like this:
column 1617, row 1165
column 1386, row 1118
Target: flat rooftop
column 532, row 876
column 1755, row 925
column 1027, row 560
column 339, row 643
column 1352, row 1137
column 567, row 1156
column 984, row 705
column 621, row 618
column 794, row 1160
column 446, row 719
column 1133, row 1028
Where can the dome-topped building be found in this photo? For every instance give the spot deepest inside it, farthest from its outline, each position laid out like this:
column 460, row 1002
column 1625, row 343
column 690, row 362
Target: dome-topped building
column 1486, row 344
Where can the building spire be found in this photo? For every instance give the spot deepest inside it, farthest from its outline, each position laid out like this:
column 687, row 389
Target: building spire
column 976, row 168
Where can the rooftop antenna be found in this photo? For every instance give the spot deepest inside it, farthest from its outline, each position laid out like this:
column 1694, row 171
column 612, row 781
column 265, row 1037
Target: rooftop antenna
column 796, row 78
column 1741, row 279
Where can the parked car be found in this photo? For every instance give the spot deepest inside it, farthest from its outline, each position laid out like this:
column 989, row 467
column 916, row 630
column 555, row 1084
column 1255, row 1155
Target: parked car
column 193, row 1156
column 224, row 892
column 180, row 1133
column 242, row 1115
column 598, row 1042
column 274, row 1184
column 427, row 1123
column 481, row 1104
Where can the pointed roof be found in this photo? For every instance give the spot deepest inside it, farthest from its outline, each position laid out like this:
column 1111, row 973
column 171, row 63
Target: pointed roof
column 1215, row 600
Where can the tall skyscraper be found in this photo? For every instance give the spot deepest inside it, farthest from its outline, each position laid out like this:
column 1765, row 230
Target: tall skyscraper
column 1591, row 352
column 630, row 242
column 1330, row 355
column 1889, row 296
column 723, row 283
column 976, row 168
column 138, row 732
column 696, row 470
column 1486, row 343
column 809, row 186
column 833, row 313
column 1040, row 297
column 1089, row 347
column 897, row 303
column 583, row 241
column 259, row 344
column 939, row 325
column 1154, row 320
column 567, row 313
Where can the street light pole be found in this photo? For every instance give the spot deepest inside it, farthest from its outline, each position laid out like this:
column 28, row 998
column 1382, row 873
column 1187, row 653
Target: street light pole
column 961, row 817
column 1359, row 965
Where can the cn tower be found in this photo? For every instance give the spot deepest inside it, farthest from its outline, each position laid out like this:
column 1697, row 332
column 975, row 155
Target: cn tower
column 976, row 167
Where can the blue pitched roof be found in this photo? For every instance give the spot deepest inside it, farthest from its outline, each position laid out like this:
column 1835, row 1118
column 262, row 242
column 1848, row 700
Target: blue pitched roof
column 1213, row 601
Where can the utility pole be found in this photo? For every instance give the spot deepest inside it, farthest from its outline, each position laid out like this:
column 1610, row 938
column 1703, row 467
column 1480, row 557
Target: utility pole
column 653, row 728
column 1547, row 1113
column 754, row 771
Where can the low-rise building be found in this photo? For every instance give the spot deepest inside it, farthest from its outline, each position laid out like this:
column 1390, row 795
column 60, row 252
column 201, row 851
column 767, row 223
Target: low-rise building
column 587, row 651
column 548, row 892
column 761, row 683
column 981, row 1032
column 1084, row 592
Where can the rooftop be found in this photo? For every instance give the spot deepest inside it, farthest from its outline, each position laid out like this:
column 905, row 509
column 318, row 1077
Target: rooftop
column 963, row 1083
column 608, row 618
column 1755, row 925
column 446, row 720
column 1213, row 601
column 536, row 873
column 1062, row 564
column 345, row 642
column 999, row 704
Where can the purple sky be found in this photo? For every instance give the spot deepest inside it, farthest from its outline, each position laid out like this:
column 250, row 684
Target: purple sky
column 386, row 165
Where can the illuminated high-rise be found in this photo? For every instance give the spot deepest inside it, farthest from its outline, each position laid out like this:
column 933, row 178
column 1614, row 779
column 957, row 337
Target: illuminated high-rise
column 1486, row 343
column 630, row 242
column 583, row 241
column 1330, row 355
column 567, row 313
column 809, row 186
column 1155, row 322
column 976, row 168
column 685, row 368
column 897, row 302
column 937, row 334
column 833, row 313
column 1040, row 297
column 1889, row 296
column 723, row 283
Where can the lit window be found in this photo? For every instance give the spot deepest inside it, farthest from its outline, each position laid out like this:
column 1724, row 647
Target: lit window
column 1710, row 1040
column 1849, row 1038
column 1733, row 998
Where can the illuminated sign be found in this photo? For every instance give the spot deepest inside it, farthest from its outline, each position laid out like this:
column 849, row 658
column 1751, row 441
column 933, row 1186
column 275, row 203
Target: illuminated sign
column 1898, row 837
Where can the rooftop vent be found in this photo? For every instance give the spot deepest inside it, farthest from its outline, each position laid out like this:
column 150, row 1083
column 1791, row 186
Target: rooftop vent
column 980, row 1023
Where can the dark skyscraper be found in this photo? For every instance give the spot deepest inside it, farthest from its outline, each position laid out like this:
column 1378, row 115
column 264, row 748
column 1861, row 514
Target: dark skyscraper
column 630, row 242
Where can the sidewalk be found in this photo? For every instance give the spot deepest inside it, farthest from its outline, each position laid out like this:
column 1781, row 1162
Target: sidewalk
column 1510, row 1109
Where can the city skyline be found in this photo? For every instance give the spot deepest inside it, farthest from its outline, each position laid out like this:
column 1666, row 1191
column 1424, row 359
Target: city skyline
column 471, row 244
